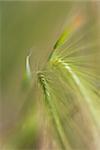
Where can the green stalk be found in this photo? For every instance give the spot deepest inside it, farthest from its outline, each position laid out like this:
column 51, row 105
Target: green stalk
column 53, row 111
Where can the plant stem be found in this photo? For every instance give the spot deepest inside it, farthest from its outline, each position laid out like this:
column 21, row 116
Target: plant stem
column 53, row 111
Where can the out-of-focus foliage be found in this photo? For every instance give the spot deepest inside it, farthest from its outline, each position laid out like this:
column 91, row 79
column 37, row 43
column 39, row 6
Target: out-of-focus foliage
column 62, row 113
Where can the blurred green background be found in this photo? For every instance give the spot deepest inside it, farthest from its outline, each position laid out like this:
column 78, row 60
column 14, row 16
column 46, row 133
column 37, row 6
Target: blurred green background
column 25, row 25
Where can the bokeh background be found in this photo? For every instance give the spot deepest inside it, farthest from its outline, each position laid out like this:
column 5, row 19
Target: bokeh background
column 26, row 25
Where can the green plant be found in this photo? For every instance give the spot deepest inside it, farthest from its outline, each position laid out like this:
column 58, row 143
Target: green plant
column 71, row 97
column 69, row 91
